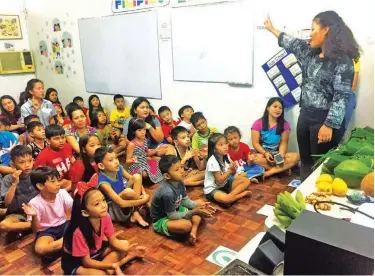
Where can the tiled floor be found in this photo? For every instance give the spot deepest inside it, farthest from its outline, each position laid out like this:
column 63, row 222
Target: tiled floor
column 232, row 227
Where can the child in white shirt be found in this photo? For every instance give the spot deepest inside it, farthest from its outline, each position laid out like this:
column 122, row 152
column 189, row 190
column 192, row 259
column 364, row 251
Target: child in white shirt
column 219, row 183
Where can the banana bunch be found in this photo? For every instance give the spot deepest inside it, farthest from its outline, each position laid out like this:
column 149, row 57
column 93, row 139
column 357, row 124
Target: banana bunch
column 287, row 208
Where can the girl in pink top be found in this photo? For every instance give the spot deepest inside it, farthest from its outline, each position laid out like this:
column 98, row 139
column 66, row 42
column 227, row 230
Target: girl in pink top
column 85, row 251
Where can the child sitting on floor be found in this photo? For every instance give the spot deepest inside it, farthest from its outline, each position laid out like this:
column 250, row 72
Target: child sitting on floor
column 172, row 211
column 59, row 118
column 49, row 212
column 241, row 154
column 219, row 183
column 121, row 113
column 167, row 123
column 16, row 189
column 122, row 190
column 25, row 138
column 79, row 100
column 138, row 152
column 58, row 154
column 117, row 142
column 99, row 122
column 185, row 113
column 84, row 167
column 192, row 161
column 7, row 141
column 200, row 138
column 36, row 131
column 85, row 250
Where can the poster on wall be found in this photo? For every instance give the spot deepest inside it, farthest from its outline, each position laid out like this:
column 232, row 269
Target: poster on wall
column 43, row 49
column 56, row 48
column 56, row 25
column 285, row 73
column 127, row 5
column 66, row 40
column 59, row 69
column 10, row 27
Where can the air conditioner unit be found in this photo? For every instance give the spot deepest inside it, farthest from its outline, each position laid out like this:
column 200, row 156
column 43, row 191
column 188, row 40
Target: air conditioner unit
column 15, row 62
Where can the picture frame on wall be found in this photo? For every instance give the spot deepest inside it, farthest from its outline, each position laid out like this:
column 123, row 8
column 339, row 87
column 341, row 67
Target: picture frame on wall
column 10, row 27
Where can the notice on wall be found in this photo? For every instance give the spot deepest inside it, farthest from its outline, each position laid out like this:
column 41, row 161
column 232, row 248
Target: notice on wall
column 9, row 46
column 285, row 73
column 165, row 31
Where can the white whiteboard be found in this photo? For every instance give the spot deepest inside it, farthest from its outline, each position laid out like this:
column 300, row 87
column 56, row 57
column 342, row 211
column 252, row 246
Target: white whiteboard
column 213, row 43
column 120, row 54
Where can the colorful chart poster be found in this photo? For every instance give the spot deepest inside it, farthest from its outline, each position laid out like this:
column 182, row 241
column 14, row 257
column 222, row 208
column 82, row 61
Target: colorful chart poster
column 126, row 5
column 285, row 73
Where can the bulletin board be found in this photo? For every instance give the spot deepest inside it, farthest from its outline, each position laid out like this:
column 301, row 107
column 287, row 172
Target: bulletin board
column 285, row 73
column 216, row 45
column 120, row 54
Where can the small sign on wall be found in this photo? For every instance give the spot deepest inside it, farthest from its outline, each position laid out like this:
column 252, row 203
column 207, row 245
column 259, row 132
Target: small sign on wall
column 127, row 5
column 9, row 46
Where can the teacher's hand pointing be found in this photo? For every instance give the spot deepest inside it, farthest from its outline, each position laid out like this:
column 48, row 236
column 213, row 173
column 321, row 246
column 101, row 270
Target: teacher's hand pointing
column 268, row 24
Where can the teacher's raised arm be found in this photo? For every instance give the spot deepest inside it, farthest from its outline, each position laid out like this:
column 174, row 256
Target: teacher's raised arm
column 299, row 47
column 327, row 70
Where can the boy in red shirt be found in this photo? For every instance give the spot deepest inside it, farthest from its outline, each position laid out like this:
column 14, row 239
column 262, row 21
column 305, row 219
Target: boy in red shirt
column 79, row 100
column 241, row 154
column 167, row 123
column 58, row 154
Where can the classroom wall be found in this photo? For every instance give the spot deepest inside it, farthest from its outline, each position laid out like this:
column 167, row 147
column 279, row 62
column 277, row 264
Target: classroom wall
column 14, row 84
column 222, row 105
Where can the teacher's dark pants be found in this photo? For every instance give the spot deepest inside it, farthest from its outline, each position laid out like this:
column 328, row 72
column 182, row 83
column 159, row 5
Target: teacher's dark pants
column 308, row 126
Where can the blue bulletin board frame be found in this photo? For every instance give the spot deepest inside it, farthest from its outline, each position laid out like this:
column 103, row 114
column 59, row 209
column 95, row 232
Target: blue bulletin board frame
column 290, row 80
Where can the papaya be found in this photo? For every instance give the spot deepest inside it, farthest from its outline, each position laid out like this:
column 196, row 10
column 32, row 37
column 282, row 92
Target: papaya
column 325, row 170
column 360, row 146
column 366, row 133
column 367, row 184
column 331, row 164
column 352, row 172
column 366, row 159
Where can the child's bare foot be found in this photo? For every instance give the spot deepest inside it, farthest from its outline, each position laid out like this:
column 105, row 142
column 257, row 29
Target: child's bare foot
column 2, row 211
column 118, row 271
column 136, row 217
column 192, row 238
column 266, row 174
column 254, row 180
column 246, row 194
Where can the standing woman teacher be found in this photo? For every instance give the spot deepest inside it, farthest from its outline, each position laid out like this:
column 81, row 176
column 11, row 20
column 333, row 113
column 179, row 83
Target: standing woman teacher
column 327, row 61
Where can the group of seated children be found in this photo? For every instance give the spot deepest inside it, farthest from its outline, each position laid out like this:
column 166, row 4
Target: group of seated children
column 103, row 167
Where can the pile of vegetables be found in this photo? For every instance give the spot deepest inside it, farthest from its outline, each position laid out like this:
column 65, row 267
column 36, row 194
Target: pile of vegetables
column 353, row 160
